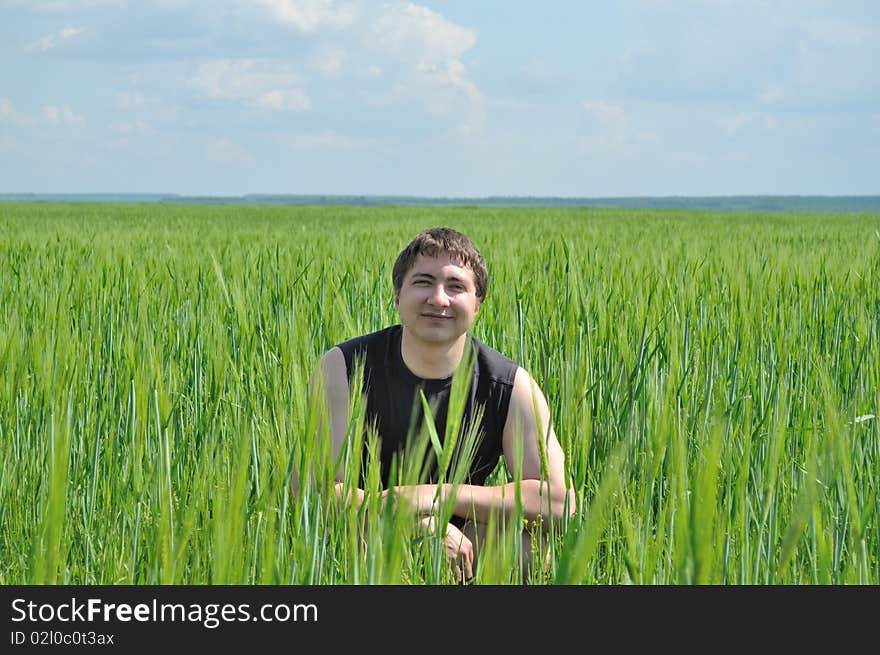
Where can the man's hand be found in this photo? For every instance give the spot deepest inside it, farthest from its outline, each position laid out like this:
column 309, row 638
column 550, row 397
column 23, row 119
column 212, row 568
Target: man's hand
column 459, row 550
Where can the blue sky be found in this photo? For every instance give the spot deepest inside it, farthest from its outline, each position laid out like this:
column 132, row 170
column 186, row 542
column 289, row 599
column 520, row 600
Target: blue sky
column 446, row 98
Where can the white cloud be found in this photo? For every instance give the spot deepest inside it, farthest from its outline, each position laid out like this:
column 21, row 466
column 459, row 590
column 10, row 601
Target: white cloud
column 405, row 28
column 329, row 61
column 131, row 100
column 280, row 99
column 423, row 53
column 7, row 111
column 55, row 39
column 253, row 82
column 603, row 111
column 772, row 93
column 150, row 106
column 311, row 15
column 63, row 115
column 743, row 120
column 414, row 52
column 450, row 73
column 617, row 132
column 71, row 118
column 734, row 124
column 11, row 116
column 428, row 42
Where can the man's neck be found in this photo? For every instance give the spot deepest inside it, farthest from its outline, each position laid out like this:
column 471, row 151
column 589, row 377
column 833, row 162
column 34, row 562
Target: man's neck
column 431, row 360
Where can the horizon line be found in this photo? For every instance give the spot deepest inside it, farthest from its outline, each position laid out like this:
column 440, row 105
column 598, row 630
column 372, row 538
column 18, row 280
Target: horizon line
column 163, row 194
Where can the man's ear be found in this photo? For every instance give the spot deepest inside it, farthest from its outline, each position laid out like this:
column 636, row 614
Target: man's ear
column 479, row 304
column 397, row 298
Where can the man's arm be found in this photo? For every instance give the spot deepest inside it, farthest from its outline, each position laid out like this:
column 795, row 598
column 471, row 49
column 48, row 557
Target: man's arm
column 542, row 493
column 328, row 390
column 329, row 385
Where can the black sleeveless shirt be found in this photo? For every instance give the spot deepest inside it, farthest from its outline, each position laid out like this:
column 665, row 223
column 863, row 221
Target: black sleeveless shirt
column 394, row 403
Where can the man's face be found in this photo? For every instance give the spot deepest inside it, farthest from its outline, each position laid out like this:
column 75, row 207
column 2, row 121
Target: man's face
column 437, row 301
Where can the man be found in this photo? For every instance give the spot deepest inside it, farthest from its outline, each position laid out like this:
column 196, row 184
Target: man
column 440, row 282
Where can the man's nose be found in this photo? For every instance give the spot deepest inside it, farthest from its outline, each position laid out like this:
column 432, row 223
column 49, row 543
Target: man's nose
column 438, row 296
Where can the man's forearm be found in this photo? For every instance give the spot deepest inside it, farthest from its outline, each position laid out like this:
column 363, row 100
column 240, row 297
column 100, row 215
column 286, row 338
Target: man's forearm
column 537, row 500
column 351, row 496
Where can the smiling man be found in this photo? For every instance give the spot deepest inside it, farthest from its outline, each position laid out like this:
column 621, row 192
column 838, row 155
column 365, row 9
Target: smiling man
column 440, row 282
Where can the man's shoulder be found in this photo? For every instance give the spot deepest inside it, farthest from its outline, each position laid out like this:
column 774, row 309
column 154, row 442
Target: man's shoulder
column 377, row 338
column 373, row 348
column 495, row 364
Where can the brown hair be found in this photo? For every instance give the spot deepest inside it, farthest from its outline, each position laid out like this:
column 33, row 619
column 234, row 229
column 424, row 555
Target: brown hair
column 438, row 240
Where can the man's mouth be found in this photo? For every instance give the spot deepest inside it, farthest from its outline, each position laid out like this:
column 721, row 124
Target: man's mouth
column 433, row 315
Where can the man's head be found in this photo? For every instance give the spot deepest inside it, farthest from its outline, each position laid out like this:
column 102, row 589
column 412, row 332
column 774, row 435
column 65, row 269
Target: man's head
column 437, row 241
column 439, row 284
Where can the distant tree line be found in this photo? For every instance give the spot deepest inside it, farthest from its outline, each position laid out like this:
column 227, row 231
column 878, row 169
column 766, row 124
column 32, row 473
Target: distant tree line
column 800, row 204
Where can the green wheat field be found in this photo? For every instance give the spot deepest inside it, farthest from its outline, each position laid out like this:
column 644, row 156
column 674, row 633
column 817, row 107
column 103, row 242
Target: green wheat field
column 714, row 379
